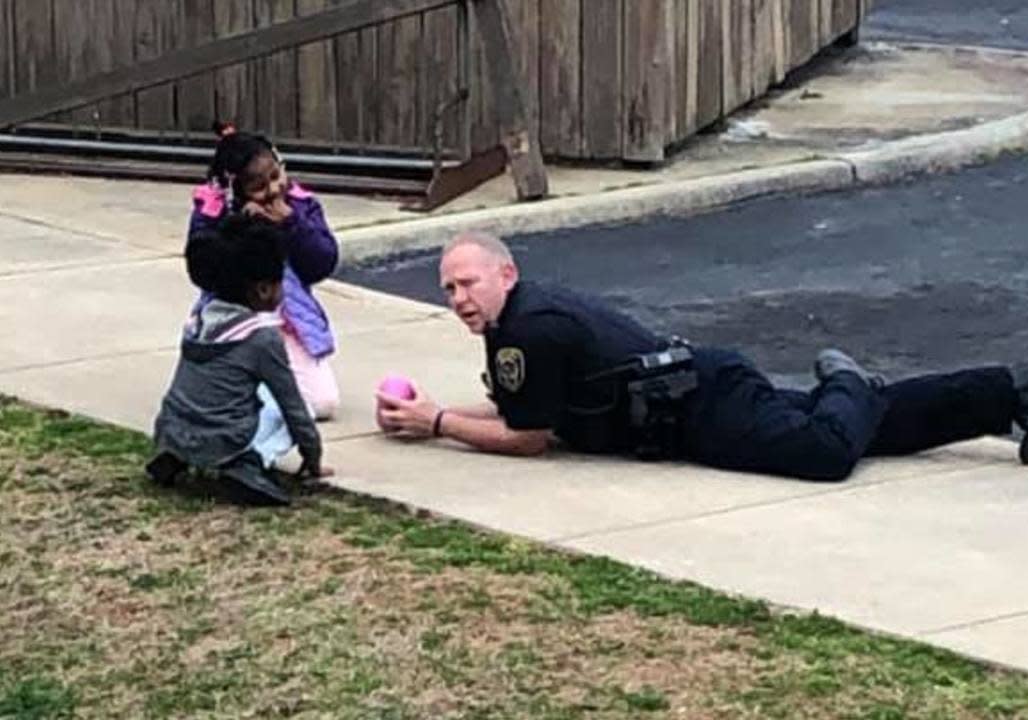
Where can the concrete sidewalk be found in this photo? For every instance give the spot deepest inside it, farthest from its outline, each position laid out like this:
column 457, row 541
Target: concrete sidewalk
column 93, row 292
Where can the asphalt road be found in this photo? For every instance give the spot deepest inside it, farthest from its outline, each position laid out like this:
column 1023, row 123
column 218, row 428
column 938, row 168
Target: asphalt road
column 927, row 275
column 999, row 23
column 921, row 276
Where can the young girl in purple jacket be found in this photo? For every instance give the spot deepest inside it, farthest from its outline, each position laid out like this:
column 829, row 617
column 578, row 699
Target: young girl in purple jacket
column 248, row 176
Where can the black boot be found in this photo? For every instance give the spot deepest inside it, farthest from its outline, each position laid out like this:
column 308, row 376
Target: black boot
column 245, row 482
column 1019, row 373
column 832, row 361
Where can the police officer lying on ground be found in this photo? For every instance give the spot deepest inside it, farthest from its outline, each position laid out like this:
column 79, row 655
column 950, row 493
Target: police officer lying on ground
column 563, row 367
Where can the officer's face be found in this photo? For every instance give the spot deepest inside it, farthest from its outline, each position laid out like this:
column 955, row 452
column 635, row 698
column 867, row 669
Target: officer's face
column 476, row 284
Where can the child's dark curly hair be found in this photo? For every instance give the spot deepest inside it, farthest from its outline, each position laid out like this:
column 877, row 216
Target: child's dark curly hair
column 230, row 260
column 233, row 154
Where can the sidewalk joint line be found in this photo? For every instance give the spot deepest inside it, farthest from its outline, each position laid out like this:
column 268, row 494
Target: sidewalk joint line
column 86, row 265
column 353, row 436
column 88, row 358
column 975, row 623
column 854, row 177
column 110, row 239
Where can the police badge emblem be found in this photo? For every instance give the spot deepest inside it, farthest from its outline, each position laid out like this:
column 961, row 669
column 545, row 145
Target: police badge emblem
column 510, row 368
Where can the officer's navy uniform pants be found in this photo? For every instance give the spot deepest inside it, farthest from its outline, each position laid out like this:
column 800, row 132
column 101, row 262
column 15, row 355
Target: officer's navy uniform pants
column 737, row 420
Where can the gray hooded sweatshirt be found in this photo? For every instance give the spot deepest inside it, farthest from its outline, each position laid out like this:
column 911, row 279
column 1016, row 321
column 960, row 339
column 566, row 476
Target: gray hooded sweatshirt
column 209, row 414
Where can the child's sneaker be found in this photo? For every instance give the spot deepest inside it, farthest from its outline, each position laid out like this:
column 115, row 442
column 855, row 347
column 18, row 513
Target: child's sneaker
column 246, row 482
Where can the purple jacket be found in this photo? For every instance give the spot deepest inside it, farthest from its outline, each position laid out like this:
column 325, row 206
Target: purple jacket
column 312, row 257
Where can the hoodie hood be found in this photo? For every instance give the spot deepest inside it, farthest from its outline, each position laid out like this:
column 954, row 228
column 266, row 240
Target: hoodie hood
column 221, row 326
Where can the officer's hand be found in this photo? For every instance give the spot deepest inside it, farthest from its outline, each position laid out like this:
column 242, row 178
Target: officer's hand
column 411, row 418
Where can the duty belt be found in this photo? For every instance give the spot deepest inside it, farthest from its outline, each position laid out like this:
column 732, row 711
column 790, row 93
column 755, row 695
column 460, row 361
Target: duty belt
column 657, row 384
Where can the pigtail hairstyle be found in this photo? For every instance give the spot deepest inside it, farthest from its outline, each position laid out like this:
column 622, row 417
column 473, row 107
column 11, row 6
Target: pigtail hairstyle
column 233, row 154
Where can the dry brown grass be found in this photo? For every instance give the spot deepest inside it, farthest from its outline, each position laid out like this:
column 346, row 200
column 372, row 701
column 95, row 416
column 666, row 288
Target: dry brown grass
column 120, row 601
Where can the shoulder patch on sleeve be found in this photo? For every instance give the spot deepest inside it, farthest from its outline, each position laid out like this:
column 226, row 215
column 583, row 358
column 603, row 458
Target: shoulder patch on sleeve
column 510, row 368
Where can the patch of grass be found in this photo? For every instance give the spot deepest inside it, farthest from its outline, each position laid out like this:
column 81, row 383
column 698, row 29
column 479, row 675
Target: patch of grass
column 36, row 432
column 35, row 698
column 188, row 694
column 173, row 578
column 118, row 599
column 599, row 585
column 838, row 659
column 647, row 699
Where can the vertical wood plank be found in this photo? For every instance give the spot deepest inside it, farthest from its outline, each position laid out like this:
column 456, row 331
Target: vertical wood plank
column 764, row 45
column 440, row 81
column 746, row 62
column 520, row 144
column 525, row 29
column 276, row 75
column 91, row 37
column 233, row 85
column 371, row 91
column 196, row 108
column 6, row 48
column 560, row 89
column 602, row 59
column 671, row 76
column 351, row 76
column 737, row 53
column 802, row 31
column 34, row 62
column 680, row 42
column 73, row 54
column 316, row 72
column 485, row 130
column 708, row 93
column 648, row 55
column 730, row 75
column 824, row 22
column 778, row 39
column 399, row 52
column 845, row 16
column 115, row 29
column 690, row 36
column 156, row 32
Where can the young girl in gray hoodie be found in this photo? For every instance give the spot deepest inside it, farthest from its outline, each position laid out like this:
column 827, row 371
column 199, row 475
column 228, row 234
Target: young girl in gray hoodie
column 233, row 407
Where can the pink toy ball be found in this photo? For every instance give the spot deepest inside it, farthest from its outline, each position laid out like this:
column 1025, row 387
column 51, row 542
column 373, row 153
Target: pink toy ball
column 397, row 386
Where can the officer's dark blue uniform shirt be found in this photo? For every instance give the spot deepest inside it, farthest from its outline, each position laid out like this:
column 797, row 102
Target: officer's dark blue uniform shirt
column 544, row 346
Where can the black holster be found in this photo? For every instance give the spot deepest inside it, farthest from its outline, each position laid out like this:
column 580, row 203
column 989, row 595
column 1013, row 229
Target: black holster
column 656, row 386
column 656, row 395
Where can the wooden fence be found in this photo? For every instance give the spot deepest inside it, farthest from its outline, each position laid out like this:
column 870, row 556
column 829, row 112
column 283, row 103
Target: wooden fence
column 603, row 79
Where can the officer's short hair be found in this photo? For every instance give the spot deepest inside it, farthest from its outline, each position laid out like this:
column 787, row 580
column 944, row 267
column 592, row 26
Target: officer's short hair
column 489, row 243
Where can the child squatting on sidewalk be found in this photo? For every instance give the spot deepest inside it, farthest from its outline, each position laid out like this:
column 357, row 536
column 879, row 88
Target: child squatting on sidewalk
column 233, row 407
column 247, row 176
